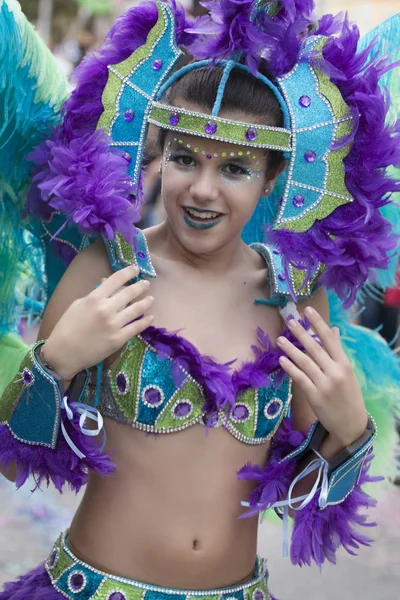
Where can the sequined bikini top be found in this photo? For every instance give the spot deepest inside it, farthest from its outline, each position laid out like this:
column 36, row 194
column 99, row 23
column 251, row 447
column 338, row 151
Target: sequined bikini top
column 161, row 383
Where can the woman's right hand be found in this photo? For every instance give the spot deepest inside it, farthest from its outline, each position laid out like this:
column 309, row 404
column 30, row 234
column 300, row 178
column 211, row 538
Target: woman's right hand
column 96, row 326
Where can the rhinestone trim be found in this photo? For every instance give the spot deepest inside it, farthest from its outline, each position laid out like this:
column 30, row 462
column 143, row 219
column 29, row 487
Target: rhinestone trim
column 84, row 583
column 153, row 387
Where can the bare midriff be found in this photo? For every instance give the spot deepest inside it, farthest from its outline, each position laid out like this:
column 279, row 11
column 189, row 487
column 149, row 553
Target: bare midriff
column 169, row 515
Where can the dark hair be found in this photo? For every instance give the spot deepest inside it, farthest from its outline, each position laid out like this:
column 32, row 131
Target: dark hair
column 243, row 92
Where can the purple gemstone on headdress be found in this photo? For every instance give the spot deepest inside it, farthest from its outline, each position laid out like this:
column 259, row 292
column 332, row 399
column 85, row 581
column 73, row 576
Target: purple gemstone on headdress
column 276, row 251
column 152, row 396
column 210, row 127
column 310, row 156
column 274, row 408
column 129, row 115
column 282, row 276
column 76, row 581
column 251, row 134
column 241, row 412
column 28, row 377
column 141, row 254
column 157, row 64
column 174, row 118
column 298, row 200
column 117, row 596
column 127, row 157
column 182, row 409
column 121, row 382
column 305, row 101
column 209, row 156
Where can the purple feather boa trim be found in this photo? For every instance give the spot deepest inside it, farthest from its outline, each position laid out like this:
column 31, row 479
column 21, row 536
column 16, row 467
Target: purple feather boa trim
column 59, row 466
column 221, row 386
column 317, row 534
column 35, row 585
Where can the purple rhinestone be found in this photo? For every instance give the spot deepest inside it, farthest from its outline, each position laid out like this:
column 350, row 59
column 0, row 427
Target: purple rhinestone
column 76, row 581
column 210, row 127
column 157, row 64
column 117, row 596
column 152, row 396
column 273, row 408
column 258, row 595
column 276, row 251
column 282, row 276
column 182, row 409
column 209, row 156
column 251, row 134
column 129, row 115
column 241, row 412
column 174, row 118
column 141, row 254
column 121, row 382
column 298, row 200
column 310, row 156
column 305, row 101
column 28, row 377
column 127, row 157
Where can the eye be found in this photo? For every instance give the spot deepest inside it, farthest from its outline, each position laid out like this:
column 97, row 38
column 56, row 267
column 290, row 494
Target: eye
column 185, row 160
column 233, row 169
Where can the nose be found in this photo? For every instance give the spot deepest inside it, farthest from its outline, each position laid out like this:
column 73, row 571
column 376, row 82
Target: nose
column 204, row 188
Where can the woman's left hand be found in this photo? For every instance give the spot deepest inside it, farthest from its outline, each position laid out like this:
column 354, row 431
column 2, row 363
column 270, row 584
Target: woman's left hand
column 326, row 378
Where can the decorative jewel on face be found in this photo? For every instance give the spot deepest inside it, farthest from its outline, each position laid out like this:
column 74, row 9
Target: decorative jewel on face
column 129, row 115
column 157, row 64
column 310, row 156
column 305, row 101
column 298, row 200
column 210, row 127
column 28, row 377
column 273, row 408
column 77, row 581
column 152, row 396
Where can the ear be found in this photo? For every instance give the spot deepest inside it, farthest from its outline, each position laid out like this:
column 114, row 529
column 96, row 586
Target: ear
column 271, row 177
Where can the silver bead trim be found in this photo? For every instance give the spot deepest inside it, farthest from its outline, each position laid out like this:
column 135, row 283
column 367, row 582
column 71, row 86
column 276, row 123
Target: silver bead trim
column 240, row 421
column 127, row 381
column 272, row 417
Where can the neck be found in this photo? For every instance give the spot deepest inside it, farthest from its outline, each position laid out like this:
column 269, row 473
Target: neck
column 220, row 261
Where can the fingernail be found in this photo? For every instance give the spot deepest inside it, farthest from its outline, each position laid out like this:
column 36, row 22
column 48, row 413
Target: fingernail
column 309, row 311
column 151, row 298
column 281, row 341
column 146, row 283
column 283, row 360
column 151, row 317
column 292, row 323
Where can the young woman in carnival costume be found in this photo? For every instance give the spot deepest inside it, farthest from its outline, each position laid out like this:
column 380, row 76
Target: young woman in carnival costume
column 239, row 395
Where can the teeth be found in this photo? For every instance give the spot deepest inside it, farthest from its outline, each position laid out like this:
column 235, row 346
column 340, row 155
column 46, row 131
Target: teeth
column 202, row 215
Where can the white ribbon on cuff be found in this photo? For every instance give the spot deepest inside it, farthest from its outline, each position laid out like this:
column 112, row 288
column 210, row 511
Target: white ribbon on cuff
column 86, row 412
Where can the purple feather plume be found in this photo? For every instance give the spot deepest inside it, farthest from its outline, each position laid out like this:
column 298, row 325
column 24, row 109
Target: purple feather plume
column 59, row 466
column 35, row 585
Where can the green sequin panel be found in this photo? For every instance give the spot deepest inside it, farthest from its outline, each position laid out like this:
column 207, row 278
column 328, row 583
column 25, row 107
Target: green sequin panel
column 129, row 363
column 230, row 132
column 190, row 393
column 124, row 251
column 14, row 391
column 248, row 427
column 298, row 279
column 109, row 586
column 64, row 563
column 125, row 68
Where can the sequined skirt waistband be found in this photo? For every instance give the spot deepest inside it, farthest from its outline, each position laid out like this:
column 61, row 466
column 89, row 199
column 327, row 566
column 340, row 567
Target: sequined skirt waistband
column 77, row 580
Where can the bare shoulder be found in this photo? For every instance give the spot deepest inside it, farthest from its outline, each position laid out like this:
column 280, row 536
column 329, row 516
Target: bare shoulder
column 81, row 277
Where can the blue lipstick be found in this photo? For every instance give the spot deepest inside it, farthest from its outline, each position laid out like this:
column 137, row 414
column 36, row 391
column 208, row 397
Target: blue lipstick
column 199, row 224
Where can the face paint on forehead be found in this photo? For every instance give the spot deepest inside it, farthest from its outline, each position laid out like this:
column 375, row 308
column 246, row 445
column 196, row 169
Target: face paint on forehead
column 252, row 170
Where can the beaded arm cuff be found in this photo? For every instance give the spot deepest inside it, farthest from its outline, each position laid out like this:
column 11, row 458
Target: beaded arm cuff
column 31, row 404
